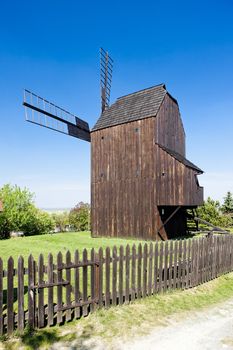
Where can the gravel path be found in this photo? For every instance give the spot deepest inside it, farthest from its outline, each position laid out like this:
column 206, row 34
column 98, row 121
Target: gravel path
column 204, row 330
column 209, row 329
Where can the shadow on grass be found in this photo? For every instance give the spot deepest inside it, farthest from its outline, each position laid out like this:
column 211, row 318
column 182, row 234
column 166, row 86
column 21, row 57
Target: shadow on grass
column 36, row 340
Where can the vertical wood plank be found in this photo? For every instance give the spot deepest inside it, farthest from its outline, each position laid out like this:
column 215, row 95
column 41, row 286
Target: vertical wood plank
column 161, row 252
column 145, row 259
column 41, row 314
column 1, row 297
column 31, row 292
column 100, row 297
column 20, row 294
column 150, row 269
column 50, row 289
column 59, row 288
column 188, row 277
column 121, row 264
column 133, row 273
column 114, row 275
column 77, row 312
column 68, row 286
column 10, row 295
column 93, row 304
column 184, row 264
column 170, row 254
column 156, row 260
column 165, row 265
column 139, row 272
column 85, row 281
column 179, row 264
column 175, row 264
column 107, row 277
column 127, row 267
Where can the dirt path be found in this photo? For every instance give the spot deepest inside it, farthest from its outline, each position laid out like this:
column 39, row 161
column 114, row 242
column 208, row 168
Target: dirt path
column 203, row 330
column 209, row 329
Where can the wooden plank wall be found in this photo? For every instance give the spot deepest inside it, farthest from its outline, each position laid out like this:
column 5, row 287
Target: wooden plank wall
column 169, row 128
column 127, row 183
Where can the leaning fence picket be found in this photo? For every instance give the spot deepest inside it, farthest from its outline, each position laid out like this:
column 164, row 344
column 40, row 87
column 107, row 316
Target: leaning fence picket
column 85, row 282
column 59, row 288
column 10, row 295
column 77, row 312
column 31, row 292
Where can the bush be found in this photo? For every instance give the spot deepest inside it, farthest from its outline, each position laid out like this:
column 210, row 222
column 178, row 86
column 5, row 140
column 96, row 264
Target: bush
column 211, row 211
column 79, row 217
column 20, row 214
column 61, row 220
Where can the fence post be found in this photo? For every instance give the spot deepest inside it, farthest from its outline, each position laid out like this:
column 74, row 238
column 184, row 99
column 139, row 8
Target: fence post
column 1, row 297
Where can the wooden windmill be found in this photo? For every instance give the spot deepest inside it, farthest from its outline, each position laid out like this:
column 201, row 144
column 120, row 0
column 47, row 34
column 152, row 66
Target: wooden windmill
column 141, row 182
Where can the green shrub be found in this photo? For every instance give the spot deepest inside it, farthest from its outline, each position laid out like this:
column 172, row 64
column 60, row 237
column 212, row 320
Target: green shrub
column 79, row 217
column 20, row 214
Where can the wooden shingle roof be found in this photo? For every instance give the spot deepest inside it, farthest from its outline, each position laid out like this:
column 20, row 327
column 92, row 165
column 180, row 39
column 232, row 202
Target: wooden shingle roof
column 180, row 158
column 138, row 105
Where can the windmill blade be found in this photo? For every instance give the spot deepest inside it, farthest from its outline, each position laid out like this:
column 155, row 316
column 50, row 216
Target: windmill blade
column 44, row 113
column 106, row 68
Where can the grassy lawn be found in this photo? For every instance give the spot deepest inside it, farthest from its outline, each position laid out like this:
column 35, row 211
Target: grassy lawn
column 53, row 243
column 137, row 318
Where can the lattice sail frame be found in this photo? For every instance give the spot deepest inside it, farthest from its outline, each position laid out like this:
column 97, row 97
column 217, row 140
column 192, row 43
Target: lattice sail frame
column 106, row 68
column 44, row 113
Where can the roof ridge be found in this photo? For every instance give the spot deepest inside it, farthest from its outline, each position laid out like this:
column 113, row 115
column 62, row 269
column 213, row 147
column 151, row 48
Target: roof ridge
column 149, row 88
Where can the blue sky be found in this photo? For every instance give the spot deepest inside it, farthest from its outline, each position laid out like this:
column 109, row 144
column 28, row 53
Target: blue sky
column 52, row 48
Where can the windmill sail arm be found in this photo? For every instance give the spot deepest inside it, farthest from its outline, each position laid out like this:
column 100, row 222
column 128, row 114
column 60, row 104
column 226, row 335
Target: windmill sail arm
column 44, row 113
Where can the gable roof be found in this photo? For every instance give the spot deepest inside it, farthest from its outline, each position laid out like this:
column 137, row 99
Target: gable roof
column 138, row 105
column 180, row 158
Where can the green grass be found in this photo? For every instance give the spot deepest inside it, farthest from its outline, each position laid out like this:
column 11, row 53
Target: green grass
column 127, row 320
column 53, row 243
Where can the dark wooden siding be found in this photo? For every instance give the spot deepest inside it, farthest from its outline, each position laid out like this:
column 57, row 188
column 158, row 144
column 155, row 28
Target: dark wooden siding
column 169, row 127
column 127, row 181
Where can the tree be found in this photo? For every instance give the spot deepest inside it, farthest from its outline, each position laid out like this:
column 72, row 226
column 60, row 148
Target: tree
column 61, row 220
column 211, row 211
column 20, row 214
column 227, row 207
column 79, row 217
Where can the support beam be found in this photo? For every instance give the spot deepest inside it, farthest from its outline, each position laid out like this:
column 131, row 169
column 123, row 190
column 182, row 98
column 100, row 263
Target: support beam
column 167, row 220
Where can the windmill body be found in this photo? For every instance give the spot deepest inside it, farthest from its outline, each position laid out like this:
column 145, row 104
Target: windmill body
column 141, row 182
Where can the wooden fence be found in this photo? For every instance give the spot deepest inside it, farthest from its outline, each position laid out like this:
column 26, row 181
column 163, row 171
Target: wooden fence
column 42, row 293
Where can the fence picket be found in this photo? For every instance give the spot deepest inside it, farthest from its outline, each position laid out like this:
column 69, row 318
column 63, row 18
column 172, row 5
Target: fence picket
column 175, row 264
column 179, row 275
column 41, row 314
column 121, row 267
column 68, row 287
column 150, row 269
column 145, row 257
column 165, row 265
column 50, row 290
column 20, row 294
column 10, row 295
column 156, row 255
column 161, row 250
column 127, row 265
column 93, row 277
column 100, row 283
column 31, row 292
column 170, row 253
column 85, row 282
column 133, row 273
column 114, row 275
column 1, row 297
column 107, row 277
column 59, row 288
column 139, row 272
